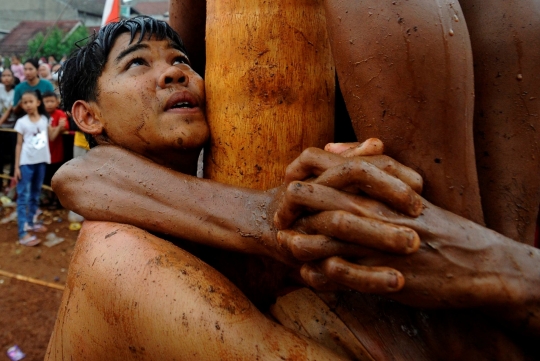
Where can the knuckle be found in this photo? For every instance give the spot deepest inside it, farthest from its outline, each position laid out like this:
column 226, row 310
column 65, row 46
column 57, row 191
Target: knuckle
column 339, row 219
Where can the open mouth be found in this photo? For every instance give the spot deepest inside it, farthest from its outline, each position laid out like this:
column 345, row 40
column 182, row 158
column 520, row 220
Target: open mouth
column 183, row 100
column 181, row 105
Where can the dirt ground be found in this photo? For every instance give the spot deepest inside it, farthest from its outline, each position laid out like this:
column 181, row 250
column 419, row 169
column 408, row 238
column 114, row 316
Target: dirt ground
column 28, row 310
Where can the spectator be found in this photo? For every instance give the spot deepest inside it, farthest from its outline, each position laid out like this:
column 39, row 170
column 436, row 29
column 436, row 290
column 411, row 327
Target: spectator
column 44, row 71
column 17, row 68
column 32, row 83
column 7, row 120
column 58, row 123
column 55, row 73
column 31, row 157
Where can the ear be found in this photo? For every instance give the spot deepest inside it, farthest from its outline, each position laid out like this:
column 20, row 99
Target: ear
column 84, row 114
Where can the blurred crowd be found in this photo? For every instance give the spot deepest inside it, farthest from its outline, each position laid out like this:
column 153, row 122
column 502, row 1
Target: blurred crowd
column 36, row 135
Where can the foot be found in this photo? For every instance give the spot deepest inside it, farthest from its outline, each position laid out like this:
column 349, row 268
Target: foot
column 29, row 240
column 38, row 228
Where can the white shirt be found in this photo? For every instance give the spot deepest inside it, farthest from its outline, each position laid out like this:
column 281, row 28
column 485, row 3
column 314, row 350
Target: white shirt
column 6, row 100
column 35, row 147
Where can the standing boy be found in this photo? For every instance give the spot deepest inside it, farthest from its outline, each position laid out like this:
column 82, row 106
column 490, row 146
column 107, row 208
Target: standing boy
column 58, row 123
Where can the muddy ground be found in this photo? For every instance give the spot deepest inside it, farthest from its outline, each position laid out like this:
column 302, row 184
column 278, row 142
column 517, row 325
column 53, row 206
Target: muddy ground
column 28, row 310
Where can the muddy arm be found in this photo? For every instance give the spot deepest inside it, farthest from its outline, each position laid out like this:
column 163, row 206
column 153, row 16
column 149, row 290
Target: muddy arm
column 112, row 184
column 460, row 264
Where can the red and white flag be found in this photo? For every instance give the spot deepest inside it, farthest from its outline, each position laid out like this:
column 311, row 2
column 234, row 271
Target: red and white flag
column 111, row 12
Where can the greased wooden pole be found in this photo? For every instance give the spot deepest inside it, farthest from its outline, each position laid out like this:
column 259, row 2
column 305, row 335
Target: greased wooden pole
column 406, row 72
column 269, row 87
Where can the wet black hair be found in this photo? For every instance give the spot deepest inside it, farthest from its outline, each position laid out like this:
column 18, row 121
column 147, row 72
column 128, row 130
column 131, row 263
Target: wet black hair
column 80, row 72
column 33, row 61
column 41, row 106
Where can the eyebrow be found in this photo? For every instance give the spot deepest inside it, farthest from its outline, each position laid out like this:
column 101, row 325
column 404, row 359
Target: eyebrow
column 130, row 50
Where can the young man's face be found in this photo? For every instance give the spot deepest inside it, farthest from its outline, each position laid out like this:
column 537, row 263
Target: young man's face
column 51, row 103
column 150, row 100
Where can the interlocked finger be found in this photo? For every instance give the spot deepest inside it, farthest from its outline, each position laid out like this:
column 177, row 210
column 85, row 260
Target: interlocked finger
column 361, row 175
column 314, row 161
column 306, row 248
column 361, row 231
column 300, row 197
column 335, row 273
column 371, row 146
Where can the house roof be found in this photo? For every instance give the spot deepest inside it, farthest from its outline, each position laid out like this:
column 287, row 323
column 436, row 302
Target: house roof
column 152, row 7
column 16, row 42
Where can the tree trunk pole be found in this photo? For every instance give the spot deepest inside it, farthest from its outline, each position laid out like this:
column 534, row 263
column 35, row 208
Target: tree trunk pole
column 269, row 86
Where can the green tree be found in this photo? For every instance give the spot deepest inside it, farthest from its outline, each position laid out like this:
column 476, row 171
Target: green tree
column 56, row 44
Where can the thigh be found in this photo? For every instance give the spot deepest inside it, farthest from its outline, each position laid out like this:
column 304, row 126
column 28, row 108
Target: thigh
column 405, row 69
column 505, row 41
column 23, row 184
column 38, row 174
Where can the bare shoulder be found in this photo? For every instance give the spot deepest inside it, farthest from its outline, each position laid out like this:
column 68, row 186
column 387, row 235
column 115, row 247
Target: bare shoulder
column 109, row 244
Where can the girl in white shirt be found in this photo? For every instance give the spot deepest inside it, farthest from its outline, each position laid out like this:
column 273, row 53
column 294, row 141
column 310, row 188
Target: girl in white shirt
column 31, row 157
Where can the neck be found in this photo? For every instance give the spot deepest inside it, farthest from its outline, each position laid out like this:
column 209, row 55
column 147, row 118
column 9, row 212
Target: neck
column 34, row 116
column 185, row 163
column 33, row 82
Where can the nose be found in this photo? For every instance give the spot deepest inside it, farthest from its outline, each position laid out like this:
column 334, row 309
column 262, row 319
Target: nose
column 173, row 75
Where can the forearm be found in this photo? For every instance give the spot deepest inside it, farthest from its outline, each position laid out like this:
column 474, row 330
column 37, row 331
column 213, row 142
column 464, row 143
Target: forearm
column 124, row 190
column 5, row 116
column 473, row 266
column 54, row 132
column 18, row 149
column 520, row 278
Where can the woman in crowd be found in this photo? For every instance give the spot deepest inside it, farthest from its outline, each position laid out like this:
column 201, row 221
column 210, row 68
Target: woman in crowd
column 44, row 71
column 32, row 83
column 7, row 119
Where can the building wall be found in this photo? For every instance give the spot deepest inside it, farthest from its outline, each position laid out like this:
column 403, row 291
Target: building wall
column 14, row 11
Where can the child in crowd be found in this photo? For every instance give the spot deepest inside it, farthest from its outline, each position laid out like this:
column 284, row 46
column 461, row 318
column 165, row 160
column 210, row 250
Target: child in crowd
column 58, row 123
column 31, row 157
column 6, row 99
column 7, row 120
column 17, row 68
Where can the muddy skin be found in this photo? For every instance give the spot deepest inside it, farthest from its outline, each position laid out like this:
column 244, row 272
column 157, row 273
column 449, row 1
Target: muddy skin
column 372, row 76
column 504, row 36
column 407, row 65
column 115, row 280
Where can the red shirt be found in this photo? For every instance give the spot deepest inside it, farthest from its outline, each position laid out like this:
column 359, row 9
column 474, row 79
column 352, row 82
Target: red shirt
column 57, row 146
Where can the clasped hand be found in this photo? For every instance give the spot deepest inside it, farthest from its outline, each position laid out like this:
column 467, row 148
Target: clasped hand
column 343, row 211
column 356, row 221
